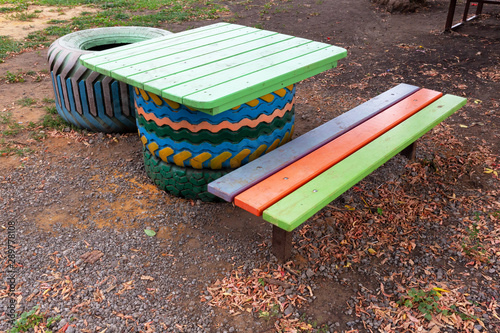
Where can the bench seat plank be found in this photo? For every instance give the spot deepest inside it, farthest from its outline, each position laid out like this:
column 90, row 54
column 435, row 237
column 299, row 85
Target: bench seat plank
column 285, row 181
column 230, row 185
column 303, row 203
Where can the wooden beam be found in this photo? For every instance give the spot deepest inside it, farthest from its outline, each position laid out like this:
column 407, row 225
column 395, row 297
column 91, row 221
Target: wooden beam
column 410, row 151
column 282, row 244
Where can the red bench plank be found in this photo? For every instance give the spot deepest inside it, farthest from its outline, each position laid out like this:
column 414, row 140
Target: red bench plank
column 262, row 195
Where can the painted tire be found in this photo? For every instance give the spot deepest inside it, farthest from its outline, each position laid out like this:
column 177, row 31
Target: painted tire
column 183, row 182
column 189, row 138
column 86, row 98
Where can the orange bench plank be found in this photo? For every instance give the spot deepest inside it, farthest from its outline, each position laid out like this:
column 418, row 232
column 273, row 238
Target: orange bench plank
column 262, row 195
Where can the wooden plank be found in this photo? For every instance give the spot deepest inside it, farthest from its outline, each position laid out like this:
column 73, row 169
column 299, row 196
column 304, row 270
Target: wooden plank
column 179, row 62
column 229, row 68
column 237, row 181
column 167, row 52
column 262, row 195
column 151, row 65
column 95, row 59
column 296, row 208
column 281, row 244
column 181, row 69
column 266, row 74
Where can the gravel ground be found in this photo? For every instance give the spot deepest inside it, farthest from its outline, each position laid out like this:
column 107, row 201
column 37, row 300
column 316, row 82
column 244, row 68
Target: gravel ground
column 132, row 282
column 79, row 205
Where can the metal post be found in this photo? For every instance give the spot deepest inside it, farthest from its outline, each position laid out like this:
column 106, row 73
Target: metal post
column 451, row 13
column 282, row 243
column 479, row 9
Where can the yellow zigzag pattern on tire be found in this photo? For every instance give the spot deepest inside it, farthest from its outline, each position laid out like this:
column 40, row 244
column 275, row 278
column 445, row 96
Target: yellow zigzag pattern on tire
column 174, row 105
column 216, row 163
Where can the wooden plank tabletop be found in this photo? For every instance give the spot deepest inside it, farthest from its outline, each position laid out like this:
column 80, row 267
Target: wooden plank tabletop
column 216, row 67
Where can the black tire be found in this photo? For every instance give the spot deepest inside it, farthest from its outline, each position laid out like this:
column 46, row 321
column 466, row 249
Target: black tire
column 183, row 182
column 86, row 98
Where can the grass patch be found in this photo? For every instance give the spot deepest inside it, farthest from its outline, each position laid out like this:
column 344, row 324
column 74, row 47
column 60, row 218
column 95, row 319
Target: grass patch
column 26, row 101
column 148, row 13
column 11, row 128
column 7, row 46
column 7, row 149
column 14, row 78
column 23, row 16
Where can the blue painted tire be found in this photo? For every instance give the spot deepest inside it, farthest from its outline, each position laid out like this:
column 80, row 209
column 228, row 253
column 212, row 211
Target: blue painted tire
column 86, row 98
column 188, row 138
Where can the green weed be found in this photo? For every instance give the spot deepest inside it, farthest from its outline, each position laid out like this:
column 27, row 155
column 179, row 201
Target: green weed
column 14, row 78
column 274, row 311
column 51, row 109
column 33, row 319
column 26, row 101
column 424, row 301
column 54, row 121
column 471, row 244
column 24, row 16
column 12, row 127
column 7, row 149
column 5, row 117
column 7, row 46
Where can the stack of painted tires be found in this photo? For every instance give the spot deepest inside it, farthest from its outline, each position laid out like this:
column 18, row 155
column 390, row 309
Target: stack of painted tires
column 86, row 98
column 185, row 149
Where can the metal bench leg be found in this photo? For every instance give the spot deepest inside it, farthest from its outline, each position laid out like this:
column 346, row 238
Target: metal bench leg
column 451, row 13
column 466, row 11
column 479, row 9
column 410, row 151
column 282, row 243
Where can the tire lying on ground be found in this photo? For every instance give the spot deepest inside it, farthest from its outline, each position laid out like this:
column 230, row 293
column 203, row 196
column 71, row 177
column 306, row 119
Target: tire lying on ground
column 183, row 182
column 86, row 98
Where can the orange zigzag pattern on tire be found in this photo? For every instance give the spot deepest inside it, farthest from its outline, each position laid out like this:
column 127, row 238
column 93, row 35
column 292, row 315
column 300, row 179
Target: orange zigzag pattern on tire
column 215, row 128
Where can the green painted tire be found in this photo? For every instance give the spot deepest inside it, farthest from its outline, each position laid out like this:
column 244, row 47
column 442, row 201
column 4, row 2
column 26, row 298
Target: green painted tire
column 182, row 182
column 86, row 98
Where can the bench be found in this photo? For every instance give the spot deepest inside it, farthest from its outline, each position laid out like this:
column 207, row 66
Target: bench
column 293, row 182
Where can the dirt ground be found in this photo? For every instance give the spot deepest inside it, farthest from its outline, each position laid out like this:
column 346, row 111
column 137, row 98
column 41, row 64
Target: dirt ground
column 78, row 192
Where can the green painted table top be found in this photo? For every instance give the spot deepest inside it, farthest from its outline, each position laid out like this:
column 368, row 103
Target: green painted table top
column 216, row 67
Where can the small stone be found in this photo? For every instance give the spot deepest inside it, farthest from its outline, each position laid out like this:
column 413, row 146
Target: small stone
column 289, row 310
column 309, row 273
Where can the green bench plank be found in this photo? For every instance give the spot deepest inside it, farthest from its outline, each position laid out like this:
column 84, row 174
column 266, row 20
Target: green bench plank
column 296, row 208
